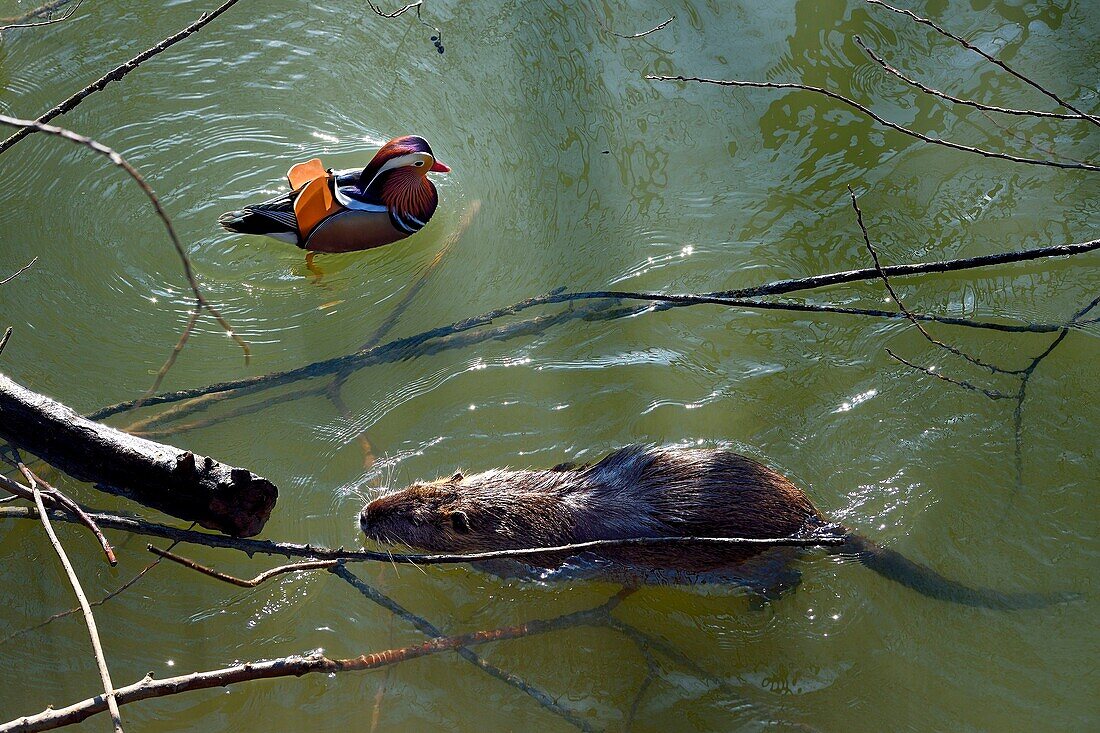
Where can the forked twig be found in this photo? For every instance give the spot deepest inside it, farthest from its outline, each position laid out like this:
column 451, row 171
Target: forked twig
column 990, row 393
column 971, row 47
column 250, row 583
column 957, row 100
column 877, row 118
column 58, row 499
column 44, row 22
column 901, row 306
column 89, row 619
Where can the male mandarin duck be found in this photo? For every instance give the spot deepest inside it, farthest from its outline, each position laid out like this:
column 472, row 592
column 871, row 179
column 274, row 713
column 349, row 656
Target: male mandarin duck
column 350, row 210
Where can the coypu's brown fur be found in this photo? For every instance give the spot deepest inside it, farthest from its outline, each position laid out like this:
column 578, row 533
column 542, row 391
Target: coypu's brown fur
column 644, row 491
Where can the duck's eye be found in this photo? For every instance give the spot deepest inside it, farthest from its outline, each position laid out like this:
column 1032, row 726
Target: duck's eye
column 418, row 163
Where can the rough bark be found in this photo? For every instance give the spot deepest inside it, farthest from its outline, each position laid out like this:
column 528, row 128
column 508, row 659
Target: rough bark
column 174, row 481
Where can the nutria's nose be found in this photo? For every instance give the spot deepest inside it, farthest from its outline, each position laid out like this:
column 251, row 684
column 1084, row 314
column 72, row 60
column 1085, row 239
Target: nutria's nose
column 365, row 518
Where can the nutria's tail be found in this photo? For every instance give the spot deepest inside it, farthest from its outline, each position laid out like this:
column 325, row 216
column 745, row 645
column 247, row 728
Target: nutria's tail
column 925, row 580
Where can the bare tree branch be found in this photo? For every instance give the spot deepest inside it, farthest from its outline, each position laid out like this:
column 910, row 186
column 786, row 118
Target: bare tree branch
column 971, row 47
column 454, row 336
column 967, row 102
column 315, row 552
column 115, row 74
column 881, row 120
column 901, row 306
column 296, row 666
column 44, row 22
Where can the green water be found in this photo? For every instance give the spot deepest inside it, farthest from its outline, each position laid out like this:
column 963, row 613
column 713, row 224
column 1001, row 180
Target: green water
column 589, row 176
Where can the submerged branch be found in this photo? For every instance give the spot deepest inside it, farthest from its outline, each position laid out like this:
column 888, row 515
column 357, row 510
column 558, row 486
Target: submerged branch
column 453, row 336
column 432, row 632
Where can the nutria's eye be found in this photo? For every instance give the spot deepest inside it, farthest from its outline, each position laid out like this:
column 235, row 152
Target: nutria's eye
column 460, row 522
column 457, row 477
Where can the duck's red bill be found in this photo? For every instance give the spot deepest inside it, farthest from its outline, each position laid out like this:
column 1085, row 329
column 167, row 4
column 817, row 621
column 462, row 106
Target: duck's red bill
column 440, row 168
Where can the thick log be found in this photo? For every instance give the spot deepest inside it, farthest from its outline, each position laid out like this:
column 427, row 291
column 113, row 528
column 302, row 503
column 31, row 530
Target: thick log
column 174, row 481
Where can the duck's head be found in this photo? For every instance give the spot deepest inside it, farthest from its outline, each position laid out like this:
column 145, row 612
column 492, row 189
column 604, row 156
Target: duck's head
column 398, row 177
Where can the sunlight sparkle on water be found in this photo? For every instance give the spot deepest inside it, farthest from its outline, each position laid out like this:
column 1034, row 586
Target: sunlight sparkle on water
column 859, row 399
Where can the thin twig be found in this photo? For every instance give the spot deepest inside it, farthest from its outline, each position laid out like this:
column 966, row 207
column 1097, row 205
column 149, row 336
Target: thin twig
column 971, row 47
column 117, row 73
column 42, row 11
column 18, row 272
column 201, row 303
column 44, row 22
column 296, row 666
column 967, row 102
column 607, row 29
column 57, row 499
column 117, row 591
column 89, row 619
column 4, row 339
column 901, row 306
column 990, row 393
column 402, row 10
column 877, row 118
column 67, row 503
column 250, row 583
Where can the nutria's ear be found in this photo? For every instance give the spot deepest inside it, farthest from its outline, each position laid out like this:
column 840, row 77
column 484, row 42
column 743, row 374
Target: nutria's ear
column 460, row 522
column 457, row 477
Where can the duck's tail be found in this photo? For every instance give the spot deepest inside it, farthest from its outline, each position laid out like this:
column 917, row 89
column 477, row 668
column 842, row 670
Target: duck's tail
column 267, row 220
column 895, row 566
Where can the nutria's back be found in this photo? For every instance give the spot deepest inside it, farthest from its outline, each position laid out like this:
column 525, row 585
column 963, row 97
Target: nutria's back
column 637, row 491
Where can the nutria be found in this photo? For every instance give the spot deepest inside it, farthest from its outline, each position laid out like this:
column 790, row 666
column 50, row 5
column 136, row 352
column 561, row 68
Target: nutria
column 647, row 491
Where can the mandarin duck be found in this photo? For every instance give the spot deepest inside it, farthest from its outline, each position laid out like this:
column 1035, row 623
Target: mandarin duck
column 350, row 210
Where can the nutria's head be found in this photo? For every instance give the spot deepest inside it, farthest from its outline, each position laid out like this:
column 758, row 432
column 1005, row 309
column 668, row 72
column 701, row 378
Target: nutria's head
column 429, row 516
column 495, row 510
